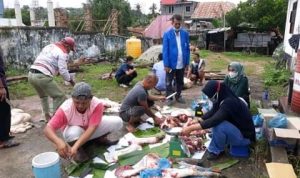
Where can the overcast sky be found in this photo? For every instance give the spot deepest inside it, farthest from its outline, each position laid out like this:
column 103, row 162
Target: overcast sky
column 145, row 4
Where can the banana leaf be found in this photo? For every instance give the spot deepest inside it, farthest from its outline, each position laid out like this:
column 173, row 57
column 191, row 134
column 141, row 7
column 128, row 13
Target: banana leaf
column 152, row 132
column 226, row 164
column 134, row 157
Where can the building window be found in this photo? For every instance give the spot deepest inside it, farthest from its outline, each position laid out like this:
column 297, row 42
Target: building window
column 293, row 17
column 171, row 9
column 188, row 8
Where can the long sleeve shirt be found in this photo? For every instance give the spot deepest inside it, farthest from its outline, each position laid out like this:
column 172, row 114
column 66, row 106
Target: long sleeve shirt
column 2, row 71
column 52, row 61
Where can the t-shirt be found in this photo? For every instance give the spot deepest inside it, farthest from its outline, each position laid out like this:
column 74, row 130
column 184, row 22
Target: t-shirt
column 67, row 115
column 195, row 66
column 136, row 94
column 122, row 70
column 159, row 70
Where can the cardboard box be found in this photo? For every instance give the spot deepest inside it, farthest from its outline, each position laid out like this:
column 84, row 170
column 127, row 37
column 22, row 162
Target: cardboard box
column 280, row 170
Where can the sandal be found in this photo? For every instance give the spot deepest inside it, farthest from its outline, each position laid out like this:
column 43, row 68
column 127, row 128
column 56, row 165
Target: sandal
column 9, row 144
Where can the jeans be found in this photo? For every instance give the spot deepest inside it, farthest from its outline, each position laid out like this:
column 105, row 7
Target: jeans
column 226, row 134
column 178, row 74
column 126, row 79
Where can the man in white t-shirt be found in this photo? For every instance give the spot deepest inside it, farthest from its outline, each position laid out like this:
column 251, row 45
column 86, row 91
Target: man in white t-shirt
column 51, row 61
column 159, row 70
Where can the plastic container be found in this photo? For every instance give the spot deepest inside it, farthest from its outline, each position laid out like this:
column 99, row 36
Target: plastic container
column 133, row 47
column 239, row 151
column 46, row 165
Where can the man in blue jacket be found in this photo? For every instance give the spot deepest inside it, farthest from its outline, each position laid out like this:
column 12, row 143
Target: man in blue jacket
column 176, row 57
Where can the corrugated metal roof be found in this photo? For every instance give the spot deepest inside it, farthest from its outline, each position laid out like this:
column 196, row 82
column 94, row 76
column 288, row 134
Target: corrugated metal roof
column 212, row 10
column 217, row 30
column 158, row 26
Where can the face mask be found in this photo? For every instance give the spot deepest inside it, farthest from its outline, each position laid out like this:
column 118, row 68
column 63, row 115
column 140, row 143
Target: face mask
column 232, row 74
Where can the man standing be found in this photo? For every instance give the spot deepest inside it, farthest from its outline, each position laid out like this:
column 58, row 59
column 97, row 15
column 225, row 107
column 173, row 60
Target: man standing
column 138, row 102
column 5, row 139
column 176, row 57
column 50, row 62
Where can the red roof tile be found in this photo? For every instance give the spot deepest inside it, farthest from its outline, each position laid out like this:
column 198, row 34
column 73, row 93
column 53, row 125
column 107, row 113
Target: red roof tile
column 167, row 2
column 158, row 26
column 212, row 10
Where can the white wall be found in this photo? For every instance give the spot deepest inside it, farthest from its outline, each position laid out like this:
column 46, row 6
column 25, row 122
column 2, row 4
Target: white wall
column 296, row 30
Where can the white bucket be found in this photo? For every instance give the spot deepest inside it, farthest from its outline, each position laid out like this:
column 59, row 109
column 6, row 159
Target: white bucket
column 46, row 165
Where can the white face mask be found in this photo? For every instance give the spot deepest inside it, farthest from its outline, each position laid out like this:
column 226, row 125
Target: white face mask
column 232, row 74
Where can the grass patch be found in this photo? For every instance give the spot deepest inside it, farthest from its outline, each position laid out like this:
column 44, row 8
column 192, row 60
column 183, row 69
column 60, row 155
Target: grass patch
column 218, row 64
column 239, row 56
column 275, row 80
column 10, row 71
column 204, row 53
column 21, row 90
column 295, row 161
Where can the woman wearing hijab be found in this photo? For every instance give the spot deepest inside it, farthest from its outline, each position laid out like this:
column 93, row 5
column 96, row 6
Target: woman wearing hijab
column 229, row 119
column 237, row 81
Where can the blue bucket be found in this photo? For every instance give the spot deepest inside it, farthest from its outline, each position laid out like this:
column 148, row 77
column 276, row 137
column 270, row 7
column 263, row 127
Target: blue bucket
column 46, row 165
column 240, row 151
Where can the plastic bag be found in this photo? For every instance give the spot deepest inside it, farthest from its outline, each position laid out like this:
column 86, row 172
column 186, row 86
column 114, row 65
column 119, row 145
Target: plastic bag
column 257, row 120
column 278, row 121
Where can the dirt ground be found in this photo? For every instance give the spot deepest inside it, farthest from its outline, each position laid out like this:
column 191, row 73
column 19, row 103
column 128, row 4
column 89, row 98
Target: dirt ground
column 16, row 162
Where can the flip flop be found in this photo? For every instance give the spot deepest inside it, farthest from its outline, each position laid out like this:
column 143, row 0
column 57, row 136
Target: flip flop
column 9, row 144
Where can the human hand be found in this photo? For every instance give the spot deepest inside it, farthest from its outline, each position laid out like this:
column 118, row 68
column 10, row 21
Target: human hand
column 186, row 130
column 2, row 94
column 168, row 70
column 158, row 120
column 72, row 82
column 63, row 149
column 73, row 152
column 162, row 98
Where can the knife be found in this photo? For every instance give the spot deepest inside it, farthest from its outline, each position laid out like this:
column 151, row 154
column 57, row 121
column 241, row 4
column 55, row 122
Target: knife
column 170, row 96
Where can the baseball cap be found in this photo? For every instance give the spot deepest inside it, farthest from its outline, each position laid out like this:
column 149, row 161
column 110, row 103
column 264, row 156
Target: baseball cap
column 69, row 41
column 82, row 89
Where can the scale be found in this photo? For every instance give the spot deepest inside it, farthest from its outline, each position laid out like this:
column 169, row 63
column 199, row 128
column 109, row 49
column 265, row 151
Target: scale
column 177, row 148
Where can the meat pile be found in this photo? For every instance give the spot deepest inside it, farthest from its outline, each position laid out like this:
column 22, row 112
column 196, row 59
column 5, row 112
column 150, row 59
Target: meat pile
column 193, row 143
column 179, row 121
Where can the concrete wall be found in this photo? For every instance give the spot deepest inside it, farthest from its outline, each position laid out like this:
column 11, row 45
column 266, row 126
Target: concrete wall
column 21, row 45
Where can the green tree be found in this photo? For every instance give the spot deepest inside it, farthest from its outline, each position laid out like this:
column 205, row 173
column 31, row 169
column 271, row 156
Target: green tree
column 26, row 15
column 138, row 8
column 101, row 10
column 10, row 13
column 153, row 9
column 264, row 14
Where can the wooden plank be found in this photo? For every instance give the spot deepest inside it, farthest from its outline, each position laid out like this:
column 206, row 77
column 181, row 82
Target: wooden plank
column 280, row 170
column 278, row 154
column 16, row 78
